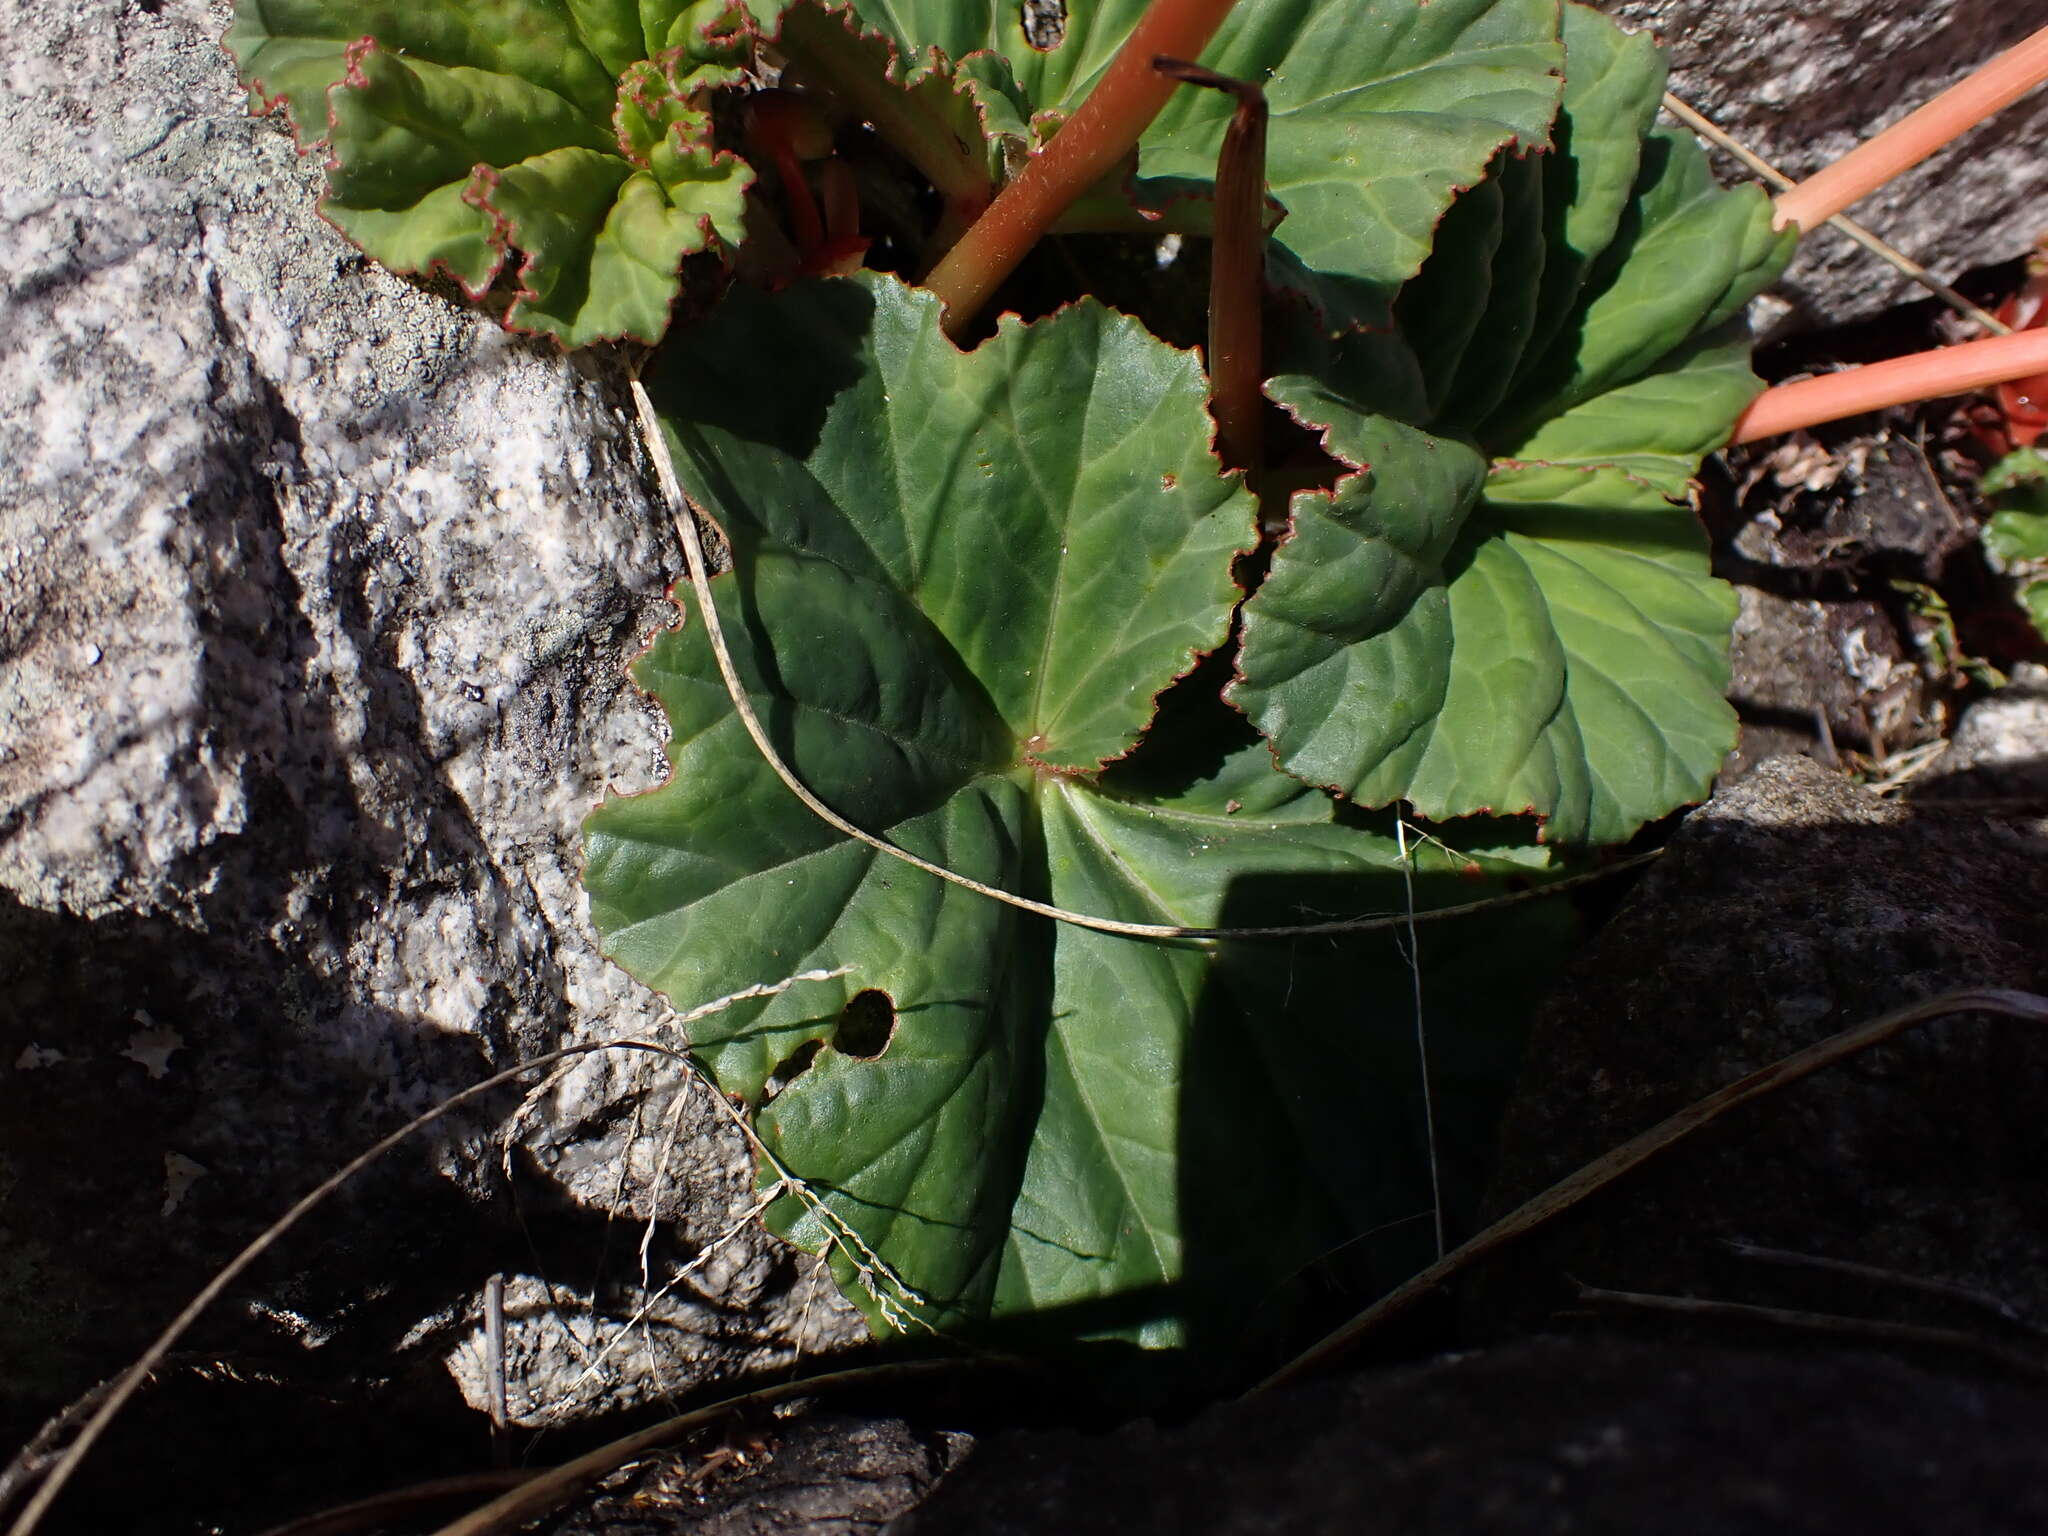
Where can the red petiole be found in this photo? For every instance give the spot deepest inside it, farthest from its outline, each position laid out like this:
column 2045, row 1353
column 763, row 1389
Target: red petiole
column 2015, row 360
column 790, row 131
column 830, row 59
column 1899, row 381
column 1917, row 135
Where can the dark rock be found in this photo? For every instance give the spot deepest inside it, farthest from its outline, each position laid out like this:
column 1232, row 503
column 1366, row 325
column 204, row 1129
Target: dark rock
column 1792, row 907
column 821, row 1475
column 1550, row 1436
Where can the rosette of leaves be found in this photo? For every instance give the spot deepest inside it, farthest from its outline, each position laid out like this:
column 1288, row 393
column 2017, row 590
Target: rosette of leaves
column 961, row 582
column 985, row 604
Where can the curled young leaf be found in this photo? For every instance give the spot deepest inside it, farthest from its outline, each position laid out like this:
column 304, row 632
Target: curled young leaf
column 960, row 585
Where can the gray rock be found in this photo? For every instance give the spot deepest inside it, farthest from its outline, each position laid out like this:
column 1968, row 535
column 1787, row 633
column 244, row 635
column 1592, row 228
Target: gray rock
column 823, row 1474
column 1792, row 907
column 315, row 592
column 2000, row 747
column 1801, row 82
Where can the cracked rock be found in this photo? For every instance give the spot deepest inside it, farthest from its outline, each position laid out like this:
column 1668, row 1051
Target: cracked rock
column 315, row 593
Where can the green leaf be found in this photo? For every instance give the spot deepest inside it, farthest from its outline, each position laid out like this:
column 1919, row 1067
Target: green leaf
column 1347, row 652
column 1659, row 427
column 1381, row 111
column 1526, row 623
column 1550, row 642
column 566, row 139
column 2034, row 598
column 1686, row 256
column 2016, row 537
column 960, row 585
column 2022, row 470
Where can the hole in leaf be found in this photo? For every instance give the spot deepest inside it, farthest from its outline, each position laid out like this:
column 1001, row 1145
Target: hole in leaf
column 793, row 1067
column 866, row 1025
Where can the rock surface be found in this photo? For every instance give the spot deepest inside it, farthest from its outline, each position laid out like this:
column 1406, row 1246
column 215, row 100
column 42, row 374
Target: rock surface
column 1803, row 81
column 1792, row 907
column 2000, row 748
column 824, row 1474
column 315, row 591
column 1591, row 1436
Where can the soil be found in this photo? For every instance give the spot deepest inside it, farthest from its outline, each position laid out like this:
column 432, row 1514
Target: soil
column 1870, row 616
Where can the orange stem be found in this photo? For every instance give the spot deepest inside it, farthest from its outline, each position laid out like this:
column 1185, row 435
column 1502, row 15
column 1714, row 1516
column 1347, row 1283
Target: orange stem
column 1917, row 135
column 1087, row 147
column 1923, row 376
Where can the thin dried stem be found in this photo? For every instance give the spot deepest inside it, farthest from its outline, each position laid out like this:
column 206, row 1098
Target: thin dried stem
column 1876, row 1275
column 1917, row 135
column 1632, row 1154
column 125, row 1386
column 1237, row 269
column 1833, row 1324
column 1086, row 148
column 686, row 515
column 1884, row 250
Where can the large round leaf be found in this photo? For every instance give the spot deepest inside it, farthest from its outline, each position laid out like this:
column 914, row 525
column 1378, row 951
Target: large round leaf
column 959, row 585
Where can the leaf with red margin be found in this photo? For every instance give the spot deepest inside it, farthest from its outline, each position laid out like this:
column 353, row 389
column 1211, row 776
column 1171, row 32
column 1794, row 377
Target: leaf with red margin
column 574, row 143
column 1545, row 637
column 960, row 583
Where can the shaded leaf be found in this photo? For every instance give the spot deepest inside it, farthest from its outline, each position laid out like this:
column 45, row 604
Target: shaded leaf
column 960, row 583
column 1614, row 82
